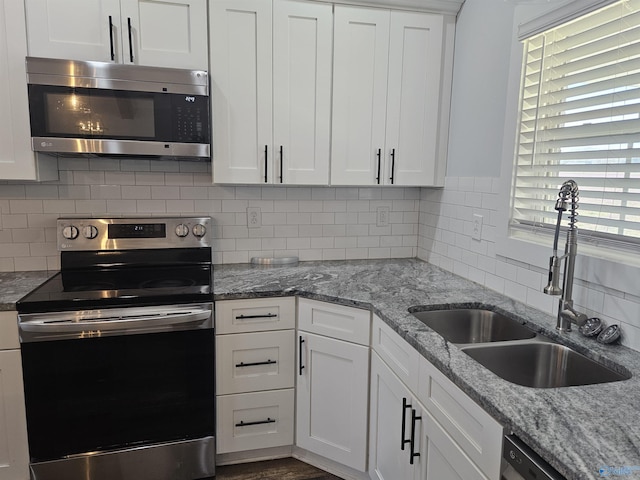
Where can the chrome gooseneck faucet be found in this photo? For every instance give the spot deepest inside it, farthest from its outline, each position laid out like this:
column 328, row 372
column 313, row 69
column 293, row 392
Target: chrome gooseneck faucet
column 566, row 313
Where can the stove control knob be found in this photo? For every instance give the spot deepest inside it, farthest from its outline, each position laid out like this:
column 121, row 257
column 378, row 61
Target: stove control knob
column 182, row 230
column 90, row 232
column 70, row 232
column 199, row 230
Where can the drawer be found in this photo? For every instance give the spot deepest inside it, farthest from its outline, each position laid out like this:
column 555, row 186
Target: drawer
column 335, row 321
column 474, row 430
column 255, row 315
column 401, row 357
column 249, row 421
column 9, row 330
column 248, row 362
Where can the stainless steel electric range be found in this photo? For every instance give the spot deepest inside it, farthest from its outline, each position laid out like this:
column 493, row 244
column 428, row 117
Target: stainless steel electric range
column 118, row 353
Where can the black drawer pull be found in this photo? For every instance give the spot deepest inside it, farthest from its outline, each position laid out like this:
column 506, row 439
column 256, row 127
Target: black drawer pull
column 259, row 422
column 268, row 362
column 268, row 315
column 300, row 365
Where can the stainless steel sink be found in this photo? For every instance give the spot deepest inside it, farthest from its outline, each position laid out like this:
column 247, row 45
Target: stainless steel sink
column 473, row 325
column 542, row 365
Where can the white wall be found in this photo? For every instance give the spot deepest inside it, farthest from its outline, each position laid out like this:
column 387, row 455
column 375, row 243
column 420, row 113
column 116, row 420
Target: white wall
column 479, row 178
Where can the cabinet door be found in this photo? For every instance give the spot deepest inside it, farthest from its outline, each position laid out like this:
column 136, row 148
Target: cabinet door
column 390, row 425
column 415, row 53
column 14, row 455
column 302, row 41
column 443, row 457
column 17, row 160
column 165, row 33
column 332, row 391
column 75, row 29
column 241, row 90
column 361, row 53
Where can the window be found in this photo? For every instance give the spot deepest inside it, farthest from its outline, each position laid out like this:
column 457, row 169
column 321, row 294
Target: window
column 580, row 120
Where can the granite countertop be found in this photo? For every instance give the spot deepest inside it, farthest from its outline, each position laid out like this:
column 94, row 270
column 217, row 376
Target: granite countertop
column 578, row 430
column 15, row 285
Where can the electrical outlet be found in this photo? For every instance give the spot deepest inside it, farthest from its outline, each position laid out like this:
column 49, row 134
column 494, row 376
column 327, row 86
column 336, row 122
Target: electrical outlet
column 382, row 218
column 477, row 227
column 254, row 217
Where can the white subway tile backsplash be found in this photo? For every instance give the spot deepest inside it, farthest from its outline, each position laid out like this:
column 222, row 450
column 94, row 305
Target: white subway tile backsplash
column 441, row 241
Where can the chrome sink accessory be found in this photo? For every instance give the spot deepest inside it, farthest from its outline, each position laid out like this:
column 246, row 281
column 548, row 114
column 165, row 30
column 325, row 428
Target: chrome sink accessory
column 609, row 334
column 566, row 313
column 591, row 327
column 473, row 325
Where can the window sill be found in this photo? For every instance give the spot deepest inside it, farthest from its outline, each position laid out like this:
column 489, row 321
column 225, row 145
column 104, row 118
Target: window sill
column 597, row 265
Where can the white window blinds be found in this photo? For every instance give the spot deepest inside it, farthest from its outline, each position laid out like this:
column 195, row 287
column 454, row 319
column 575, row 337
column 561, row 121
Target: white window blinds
column 580, row 120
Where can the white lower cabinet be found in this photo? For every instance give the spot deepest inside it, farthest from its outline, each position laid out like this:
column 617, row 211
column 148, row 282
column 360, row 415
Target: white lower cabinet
column 14, row 450
column 422, row 426
column 388, row 452
column 364, row 398
column 251, row 421
column 333, row 382
column 255, row 374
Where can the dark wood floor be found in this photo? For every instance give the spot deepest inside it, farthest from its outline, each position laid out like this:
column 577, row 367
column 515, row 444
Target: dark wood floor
column 281, row 469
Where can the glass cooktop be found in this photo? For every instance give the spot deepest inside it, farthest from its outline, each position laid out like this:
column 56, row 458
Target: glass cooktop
column 100, row 288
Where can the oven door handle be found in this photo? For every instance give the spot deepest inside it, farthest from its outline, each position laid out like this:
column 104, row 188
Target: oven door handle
column 121, row 323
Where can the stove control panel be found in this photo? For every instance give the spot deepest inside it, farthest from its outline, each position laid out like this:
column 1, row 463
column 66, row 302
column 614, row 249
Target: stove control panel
column 94, row 234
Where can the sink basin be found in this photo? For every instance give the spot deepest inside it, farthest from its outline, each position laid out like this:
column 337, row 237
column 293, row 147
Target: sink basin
column 542, row 365
column 473, row 325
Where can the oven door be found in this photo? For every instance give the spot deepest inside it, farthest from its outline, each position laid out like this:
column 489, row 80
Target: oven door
column 102, row 382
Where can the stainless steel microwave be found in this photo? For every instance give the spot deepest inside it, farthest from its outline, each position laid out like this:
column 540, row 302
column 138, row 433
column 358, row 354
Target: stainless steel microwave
column 78, row 107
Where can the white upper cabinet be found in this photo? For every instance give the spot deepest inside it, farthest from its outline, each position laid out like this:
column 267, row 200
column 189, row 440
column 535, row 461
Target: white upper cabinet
column 17, row 160
column 143, row 32
column 271, row 91
column 387, row 97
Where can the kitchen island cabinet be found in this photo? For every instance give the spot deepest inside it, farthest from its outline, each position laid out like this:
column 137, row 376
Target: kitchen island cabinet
column 17, row 159
column 162, row 33
column 271, row 91
column 14, row 451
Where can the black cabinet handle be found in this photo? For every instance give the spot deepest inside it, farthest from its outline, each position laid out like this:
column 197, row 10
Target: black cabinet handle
column 300, row 355
column 266, row 163
column 260, row 422
column 268, row 315
column 412, row 444
column 405, row 406
column 113, row 53
column 130, row 42
column 393, row 163
column 281, row 164
column 379, row 156
column 255, row 364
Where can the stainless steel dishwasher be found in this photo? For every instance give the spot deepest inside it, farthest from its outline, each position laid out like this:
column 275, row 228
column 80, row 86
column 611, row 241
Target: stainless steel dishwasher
column 522, row 463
